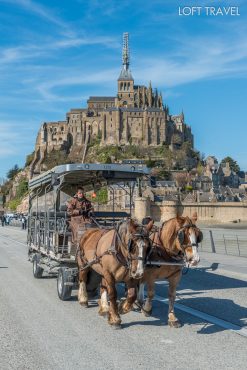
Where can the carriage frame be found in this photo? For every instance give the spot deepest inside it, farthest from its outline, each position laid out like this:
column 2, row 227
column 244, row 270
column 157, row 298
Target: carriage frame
column 49, row 238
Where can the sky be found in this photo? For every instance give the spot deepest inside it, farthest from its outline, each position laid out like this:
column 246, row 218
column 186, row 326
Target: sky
column 55, row 54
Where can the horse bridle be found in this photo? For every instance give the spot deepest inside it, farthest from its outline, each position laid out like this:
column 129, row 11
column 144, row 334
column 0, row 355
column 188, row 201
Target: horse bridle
column 132, row 236
column 140, row 236
column 180, row 236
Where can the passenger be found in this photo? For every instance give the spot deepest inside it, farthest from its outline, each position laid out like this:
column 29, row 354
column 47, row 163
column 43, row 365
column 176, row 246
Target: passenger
column 23, row 222
column 79, row 205
column 3, row 220
column 79, row 208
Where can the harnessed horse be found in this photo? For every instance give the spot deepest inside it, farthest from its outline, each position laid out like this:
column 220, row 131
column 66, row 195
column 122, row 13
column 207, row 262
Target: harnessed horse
column 177, row 240
column 118, row 255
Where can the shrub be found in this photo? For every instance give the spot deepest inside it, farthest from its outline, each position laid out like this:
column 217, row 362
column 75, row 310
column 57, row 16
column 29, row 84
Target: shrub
column 29, row 159
column 101, row 196
column 188, row 188
column 22, row 188
column 14, row 203
column 13, row 171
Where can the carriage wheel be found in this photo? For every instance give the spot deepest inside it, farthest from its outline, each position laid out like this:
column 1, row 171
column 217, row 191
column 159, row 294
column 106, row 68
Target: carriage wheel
column 37, row 270
column 64, row 290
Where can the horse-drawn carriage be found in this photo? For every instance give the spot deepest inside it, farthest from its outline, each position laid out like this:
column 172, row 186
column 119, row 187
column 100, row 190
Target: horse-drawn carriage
column 112, row 247
column 50, row 245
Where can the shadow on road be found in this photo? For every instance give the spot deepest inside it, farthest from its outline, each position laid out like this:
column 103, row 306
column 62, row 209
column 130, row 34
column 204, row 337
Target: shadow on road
column 200, row 282
column 160, row 312
column 202, row 279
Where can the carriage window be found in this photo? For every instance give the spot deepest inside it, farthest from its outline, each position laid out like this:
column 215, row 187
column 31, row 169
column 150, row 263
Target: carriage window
column 64, row 197
column 45, row 202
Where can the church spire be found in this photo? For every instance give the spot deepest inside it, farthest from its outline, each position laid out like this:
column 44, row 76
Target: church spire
column 125, row 80
column 182, row 115
column 125, row 51
column 125, row 74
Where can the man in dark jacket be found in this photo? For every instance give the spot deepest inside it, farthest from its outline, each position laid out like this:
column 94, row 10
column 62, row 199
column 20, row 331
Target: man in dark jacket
column 79, row 205
column 79, row 209
column 3, row 220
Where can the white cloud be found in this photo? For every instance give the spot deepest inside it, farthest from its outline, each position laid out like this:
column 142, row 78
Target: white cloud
column 198, row 58
column 87, row 78
column 16, row 137
column 43, row 12
column 45, row 49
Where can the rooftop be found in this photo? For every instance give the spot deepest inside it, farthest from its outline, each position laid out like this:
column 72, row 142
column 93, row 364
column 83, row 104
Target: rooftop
column 102, row 98
column 125, row 75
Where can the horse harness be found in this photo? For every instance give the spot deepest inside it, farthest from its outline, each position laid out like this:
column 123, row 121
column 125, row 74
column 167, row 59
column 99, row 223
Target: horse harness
column 113, row 250
column 162, row 250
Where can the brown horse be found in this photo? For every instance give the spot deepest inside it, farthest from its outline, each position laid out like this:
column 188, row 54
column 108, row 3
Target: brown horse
column 176, row 240
column 118, row 255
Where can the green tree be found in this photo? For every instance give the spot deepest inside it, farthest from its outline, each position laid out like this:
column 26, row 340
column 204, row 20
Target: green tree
column 232, row 163
column 108, row 159
column 14, row 203
column 29, row 159
column 22, row 188
column 150, row 163
column 13, row 171
column 200, row 169
column 101, row 196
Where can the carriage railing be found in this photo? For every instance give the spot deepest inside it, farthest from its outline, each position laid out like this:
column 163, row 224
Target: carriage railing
column 49, row 231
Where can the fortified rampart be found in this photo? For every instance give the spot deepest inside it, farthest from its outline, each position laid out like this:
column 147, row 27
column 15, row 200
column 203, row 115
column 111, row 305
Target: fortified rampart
column 209, row 212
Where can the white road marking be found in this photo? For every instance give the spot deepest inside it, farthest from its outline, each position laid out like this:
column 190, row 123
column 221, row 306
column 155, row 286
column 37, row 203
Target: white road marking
column 202, row 315
column 166, row 341
column 13, row 240
column 16, row 228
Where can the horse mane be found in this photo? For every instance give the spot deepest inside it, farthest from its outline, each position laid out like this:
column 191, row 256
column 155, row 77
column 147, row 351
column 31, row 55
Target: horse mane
column 126, row 227
column 170, row 228
column 87, row 236
column 123, row 228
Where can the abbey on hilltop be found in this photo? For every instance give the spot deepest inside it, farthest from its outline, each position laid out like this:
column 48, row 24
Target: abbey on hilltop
column 136, row 115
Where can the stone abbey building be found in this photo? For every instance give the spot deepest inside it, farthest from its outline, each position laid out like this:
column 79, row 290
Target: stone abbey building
column 136, row 115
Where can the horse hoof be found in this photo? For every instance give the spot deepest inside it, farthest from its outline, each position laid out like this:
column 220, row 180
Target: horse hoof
column 84, row 304
column 174, row 324
column 146, row 313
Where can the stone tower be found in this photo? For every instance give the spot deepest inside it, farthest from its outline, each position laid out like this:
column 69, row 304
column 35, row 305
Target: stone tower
column 125, row 80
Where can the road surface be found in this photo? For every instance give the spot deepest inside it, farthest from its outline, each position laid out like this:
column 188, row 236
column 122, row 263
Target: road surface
column 38, row 331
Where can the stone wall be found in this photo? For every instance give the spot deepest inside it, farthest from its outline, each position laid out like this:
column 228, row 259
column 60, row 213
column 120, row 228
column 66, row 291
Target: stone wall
column 209, row 212
column 219, row 212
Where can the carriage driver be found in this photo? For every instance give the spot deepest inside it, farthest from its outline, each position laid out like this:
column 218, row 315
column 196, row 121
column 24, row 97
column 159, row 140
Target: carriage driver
column 79, row 205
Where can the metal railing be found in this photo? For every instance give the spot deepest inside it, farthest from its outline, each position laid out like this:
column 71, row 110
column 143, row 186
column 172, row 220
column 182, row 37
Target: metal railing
column 225, row 242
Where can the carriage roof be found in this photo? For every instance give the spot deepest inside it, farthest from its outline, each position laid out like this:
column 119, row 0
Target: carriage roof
column 89, row 174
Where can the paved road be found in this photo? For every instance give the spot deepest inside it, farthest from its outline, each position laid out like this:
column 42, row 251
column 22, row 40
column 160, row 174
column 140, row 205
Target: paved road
column 38, row 331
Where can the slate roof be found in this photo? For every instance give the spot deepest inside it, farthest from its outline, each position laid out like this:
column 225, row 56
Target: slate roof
column 102, row 98
column 125, row 75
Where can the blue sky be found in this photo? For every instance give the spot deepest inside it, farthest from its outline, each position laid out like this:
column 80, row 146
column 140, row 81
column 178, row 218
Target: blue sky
column 55, row 54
